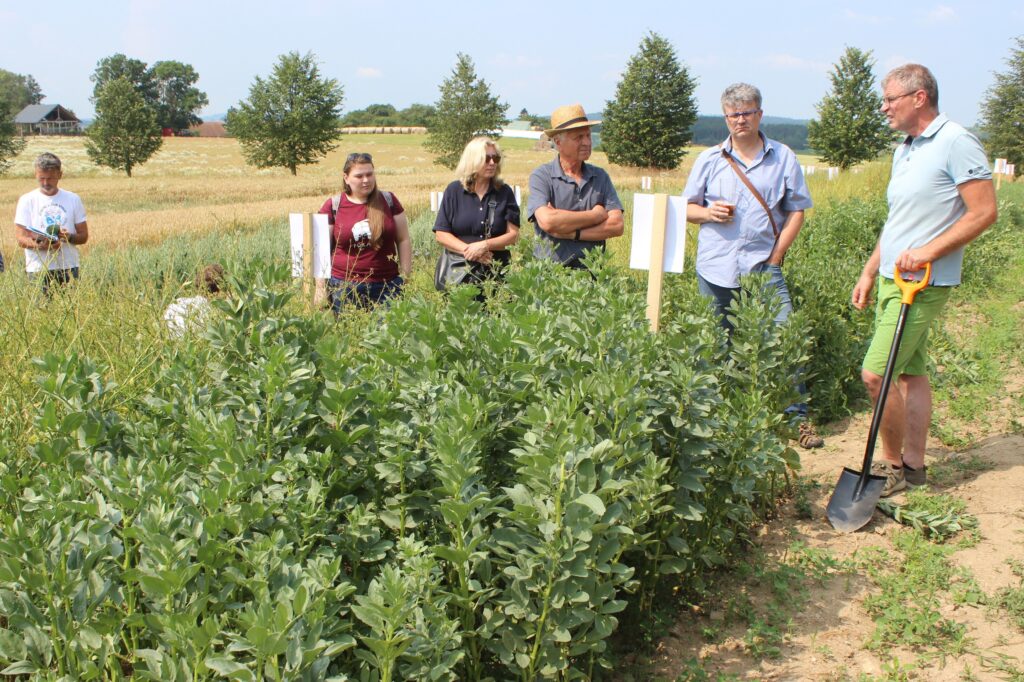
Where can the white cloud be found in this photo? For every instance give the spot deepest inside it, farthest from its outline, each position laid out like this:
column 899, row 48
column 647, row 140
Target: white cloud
column 942, row 13
column 368, row 72
column 789, row 62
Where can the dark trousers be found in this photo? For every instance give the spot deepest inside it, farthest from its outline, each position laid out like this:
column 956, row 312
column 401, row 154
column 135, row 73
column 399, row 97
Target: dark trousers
column 723, row 296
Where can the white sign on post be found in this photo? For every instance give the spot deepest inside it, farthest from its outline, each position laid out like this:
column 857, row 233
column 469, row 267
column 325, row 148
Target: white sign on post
column 519, row 195
column 1000, row 166
column 321, row 245
column 643, row 226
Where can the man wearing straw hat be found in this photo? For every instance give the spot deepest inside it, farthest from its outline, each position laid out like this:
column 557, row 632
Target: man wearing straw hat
column 573, row 205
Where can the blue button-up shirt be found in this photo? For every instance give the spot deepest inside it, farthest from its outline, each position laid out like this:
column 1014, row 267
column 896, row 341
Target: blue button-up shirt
column 725, row 251
column 923, row 194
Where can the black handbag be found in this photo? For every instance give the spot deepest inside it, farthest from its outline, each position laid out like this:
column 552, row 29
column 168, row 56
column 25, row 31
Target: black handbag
column 453, row 269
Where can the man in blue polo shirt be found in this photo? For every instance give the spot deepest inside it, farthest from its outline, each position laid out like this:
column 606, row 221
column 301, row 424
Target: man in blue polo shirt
column 748, row 195
column 940, row 198
column 572, row 204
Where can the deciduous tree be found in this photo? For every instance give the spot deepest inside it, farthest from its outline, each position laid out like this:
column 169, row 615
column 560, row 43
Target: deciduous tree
column 125, row 133
column 16, row 92
column 135, row 71
column 291, row 118
column 178, row 100
column 850, row 127
column 1002, row 112
column 465, row 109
column 648, row 123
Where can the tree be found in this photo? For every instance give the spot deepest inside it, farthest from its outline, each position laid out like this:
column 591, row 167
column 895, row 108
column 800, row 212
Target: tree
column 1002, row 112
column 465, row 110
column 17, row 92
column 290, row 119
column 135, row 71
column 125, row 133
column 178, row 100
column 648, row 123
column 851, row 127
column 10, row 144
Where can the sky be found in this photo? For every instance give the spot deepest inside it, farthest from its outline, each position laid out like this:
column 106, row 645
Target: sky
column 534, row 55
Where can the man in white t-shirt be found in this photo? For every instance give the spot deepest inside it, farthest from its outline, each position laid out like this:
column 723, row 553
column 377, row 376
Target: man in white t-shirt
column 49, row 223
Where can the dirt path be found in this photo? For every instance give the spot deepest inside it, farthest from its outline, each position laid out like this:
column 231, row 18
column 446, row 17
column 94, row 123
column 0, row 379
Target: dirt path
column 825, row 635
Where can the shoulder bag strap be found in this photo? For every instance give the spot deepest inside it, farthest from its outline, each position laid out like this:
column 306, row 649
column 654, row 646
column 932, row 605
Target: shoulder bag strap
column 753, row 190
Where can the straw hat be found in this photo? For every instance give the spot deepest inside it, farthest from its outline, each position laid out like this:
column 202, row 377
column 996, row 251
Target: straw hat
column 568, row 117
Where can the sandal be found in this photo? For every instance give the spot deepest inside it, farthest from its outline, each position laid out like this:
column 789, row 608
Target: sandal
column 809, row 438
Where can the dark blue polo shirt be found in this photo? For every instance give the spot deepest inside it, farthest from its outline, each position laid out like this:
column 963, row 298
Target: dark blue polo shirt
column 550, row 184
column 464, row 214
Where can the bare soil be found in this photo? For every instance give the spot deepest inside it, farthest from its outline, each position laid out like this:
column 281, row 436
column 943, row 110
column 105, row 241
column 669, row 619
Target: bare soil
column 825, row 639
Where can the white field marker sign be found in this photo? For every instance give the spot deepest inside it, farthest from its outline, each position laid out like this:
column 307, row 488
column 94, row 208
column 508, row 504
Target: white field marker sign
column 659, row 237
column 519, row 195
column 311, row 251
column 646, row 182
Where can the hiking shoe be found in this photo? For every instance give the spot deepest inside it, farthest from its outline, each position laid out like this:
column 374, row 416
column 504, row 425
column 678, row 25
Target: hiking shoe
column 915, row 477
column 808, row 437
column 894, row 479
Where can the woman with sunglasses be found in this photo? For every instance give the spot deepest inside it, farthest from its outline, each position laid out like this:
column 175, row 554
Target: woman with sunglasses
column 478, row 218
column 370, row 244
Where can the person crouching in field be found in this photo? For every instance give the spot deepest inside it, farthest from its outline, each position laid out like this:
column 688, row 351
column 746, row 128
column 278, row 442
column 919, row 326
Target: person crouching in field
column 49, row 223
column 190, row 312
column 370, row 244
column 478, row 218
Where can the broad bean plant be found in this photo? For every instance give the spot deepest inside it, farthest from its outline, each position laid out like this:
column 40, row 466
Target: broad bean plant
column 445, row 491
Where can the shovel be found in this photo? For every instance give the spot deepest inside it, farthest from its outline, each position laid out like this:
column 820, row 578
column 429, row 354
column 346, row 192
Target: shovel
column 854, row 499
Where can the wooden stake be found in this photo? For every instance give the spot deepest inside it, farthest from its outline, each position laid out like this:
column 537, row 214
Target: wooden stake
column 307, row 254
column 656, row 272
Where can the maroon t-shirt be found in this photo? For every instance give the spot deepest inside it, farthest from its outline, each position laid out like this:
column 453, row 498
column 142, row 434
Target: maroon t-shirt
column 354, row 259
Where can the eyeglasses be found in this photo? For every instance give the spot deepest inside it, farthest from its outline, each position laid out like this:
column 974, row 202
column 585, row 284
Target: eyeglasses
column 742, row 114
column 359, row 155
column 496, row 158
column 887, row 101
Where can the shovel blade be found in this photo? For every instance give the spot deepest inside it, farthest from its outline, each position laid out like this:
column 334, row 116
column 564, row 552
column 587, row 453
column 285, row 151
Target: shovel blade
column 847, row 511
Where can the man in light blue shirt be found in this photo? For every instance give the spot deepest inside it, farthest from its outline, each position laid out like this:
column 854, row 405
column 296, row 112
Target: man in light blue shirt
column 741, row 232
column 940, row 198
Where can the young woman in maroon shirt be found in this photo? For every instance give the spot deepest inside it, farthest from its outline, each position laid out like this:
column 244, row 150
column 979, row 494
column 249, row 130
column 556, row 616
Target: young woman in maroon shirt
column 370, row 245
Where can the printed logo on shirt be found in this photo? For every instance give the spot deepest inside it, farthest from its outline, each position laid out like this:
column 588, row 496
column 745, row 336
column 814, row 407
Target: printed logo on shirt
column 361, row 234
column 53, row 217
column 977, row 170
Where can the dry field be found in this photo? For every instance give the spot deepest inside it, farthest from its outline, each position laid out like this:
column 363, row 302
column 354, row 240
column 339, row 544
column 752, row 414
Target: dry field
column 199, row 185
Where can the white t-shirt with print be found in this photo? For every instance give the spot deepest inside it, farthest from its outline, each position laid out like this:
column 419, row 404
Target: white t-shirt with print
column 36, row 211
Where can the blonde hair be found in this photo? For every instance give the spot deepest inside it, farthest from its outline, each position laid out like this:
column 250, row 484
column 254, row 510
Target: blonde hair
column 474, row 156
column 375, row 203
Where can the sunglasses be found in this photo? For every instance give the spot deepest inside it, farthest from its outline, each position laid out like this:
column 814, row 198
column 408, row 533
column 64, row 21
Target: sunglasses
column 496, row 158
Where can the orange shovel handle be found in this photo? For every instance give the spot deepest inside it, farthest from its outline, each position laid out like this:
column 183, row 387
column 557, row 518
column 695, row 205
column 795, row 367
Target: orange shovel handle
column 909, row 288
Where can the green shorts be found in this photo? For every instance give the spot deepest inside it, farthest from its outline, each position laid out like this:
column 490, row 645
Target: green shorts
column 913, row 355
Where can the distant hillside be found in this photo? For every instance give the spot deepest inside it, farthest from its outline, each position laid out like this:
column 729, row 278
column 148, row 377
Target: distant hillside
column 710, row 130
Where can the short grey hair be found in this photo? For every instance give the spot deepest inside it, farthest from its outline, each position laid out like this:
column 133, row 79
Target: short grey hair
column 914, row 77
column 47, row 162
column 738, row 94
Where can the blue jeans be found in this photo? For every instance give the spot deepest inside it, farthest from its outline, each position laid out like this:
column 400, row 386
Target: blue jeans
column 723, row 296
column 362, row 294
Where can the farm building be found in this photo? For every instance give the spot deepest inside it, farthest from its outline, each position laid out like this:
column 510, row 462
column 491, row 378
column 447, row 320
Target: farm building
column 47, row 119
